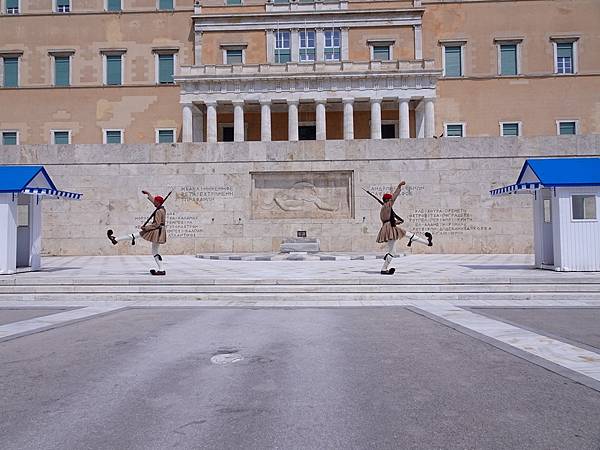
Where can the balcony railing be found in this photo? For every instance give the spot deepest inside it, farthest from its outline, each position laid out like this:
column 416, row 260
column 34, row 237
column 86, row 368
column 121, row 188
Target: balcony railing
column 321, row 67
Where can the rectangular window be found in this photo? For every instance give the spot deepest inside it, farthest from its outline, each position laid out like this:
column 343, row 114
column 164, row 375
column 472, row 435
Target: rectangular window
column 113, row 69
column 62, row 71
column 564, row 57
column 547, row 211
column 165, row 5
column 455, row 130
column 307, row 46
column 166, row 64
column 113, row 5
column 381, row 53
column 332, row 45
column 10, row 138
column 510, row 129
column 113, row 136
column 584, row 207
column 61, row 137
column 234, row 2
column 234, row 56
column 12, row 6
column 508, row 59
column 282, row 47
column 165, row 136
column 453, row 61
column 11, row 71
column 63, row 6
column 567, row 127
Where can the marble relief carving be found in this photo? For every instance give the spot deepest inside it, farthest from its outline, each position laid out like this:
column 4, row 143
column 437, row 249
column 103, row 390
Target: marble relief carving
column 306, row 195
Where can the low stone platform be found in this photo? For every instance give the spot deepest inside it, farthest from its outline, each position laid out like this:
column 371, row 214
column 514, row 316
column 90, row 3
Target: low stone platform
column 292, row 256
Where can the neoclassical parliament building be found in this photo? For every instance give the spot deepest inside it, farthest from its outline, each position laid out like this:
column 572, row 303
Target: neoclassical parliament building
column 161, row 71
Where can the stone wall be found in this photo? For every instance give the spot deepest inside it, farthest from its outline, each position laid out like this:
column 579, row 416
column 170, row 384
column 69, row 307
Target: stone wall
column 247, row 197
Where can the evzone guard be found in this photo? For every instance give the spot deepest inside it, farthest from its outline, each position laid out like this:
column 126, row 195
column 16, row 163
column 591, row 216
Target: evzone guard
column 390, row 232
column 154, row 232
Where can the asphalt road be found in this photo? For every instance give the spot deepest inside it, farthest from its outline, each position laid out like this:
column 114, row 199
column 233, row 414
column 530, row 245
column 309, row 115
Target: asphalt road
column 309, row 378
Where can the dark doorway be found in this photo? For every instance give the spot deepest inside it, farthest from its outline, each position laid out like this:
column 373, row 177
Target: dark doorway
column 307, row 132
column 388, row 131
column 227, row 134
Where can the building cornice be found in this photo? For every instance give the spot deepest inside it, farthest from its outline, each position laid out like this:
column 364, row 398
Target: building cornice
column 314, row 19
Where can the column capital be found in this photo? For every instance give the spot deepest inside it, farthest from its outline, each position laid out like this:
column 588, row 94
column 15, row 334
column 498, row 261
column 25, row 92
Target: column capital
column 237, row 102
column 212, row 103
column 429, row 99
column 320, row 101
column 404, row 99
column 376, row 100
column 348, row 100
column 264, row 102
column 293, row 102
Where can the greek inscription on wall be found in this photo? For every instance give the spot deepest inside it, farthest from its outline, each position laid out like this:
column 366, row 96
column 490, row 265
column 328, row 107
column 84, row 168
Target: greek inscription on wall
column 195, row 196
column 407, row 190
column 179, row 225
column 445, row 221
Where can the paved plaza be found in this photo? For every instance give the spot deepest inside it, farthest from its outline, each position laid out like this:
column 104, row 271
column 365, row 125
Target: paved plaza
column 452, row 352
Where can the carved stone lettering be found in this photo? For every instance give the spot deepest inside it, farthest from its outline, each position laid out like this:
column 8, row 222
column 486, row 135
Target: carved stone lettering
column 445, row 221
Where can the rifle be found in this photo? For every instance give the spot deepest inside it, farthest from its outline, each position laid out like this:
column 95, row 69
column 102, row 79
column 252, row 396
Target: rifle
column 398, row 218
column 154, row 213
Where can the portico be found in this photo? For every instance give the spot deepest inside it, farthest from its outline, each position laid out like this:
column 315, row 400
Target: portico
column 332, row 100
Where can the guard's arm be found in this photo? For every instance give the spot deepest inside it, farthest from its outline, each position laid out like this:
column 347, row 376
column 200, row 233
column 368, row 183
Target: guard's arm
column 397, row 191
column 149, row 196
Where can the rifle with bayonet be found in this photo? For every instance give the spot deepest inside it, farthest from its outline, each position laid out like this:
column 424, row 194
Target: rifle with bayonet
column 396, row 216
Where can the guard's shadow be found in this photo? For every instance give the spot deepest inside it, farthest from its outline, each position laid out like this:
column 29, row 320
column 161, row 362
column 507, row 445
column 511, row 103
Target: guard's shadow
column 498, row 266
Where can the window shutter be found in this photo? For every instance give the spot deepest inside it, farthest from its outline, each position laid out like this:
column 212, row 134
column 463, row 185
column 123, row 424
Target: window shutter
column 510, row 129
column 113, row 137
column 11, row 72
column 113, row 69
column 165, row 4
column 61, row 137
column 564, row 50
column 454, row 130
column 567, row 128
column 453, row 62
column 113, row 5
column 165, row 137
column 61, row 70
column 9, row 138
column 165, row 69
column 508, row 59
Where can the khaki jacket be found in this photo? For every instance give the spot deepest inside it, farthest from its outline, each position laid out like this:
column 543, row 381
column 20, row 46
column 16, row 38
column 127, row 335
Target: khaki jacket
column 387, row 232
column 156, row 231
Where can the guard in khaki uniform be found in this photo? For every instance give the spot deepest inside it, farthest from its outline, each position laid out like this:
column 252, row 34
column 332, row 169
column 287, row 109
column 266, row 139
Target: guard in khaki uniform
column 154, row 232
column 391, row 233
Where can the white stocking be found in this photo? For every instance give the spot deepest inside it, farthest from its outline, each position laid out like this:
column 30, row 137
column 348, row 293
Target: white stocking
column 415, row 238
column 389, row 256
column 157, row 257
column 128, row 237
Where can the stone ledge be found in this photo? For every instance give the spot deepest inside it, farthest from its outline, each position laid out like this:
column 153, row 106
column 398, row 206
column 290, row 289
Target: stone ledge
column 294, row 256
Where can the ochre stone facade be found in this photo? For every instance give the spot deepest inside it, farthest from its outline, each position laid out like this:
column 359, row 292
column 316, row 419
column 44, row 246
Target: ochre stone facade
column 536, row 98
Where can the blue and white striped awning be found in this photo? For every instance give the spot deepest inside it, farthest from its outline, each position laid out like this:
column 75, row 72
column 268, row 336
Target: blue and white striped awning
column 52, row 193
column 515, row 189
column 32, row 180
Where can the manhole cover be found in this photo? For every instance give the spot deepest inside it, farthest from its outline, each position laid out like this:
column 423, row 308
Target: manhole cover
column 223, row 359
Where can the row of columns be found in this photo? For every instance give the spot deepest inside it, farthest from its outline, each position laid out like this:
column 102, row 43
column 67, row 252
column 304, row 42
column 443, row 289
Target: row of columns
column 321, row 117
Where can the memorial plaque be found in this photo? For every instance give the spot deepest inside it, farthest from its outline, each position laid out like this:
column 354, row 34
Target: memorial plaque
column 302, row 195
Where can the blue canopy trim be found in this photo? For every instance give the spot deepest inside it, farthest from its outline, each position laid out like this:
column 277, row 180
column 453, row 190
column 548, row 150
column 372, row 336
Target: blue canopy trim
column 515, row 189
column 554, row 172
column 32, row 180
